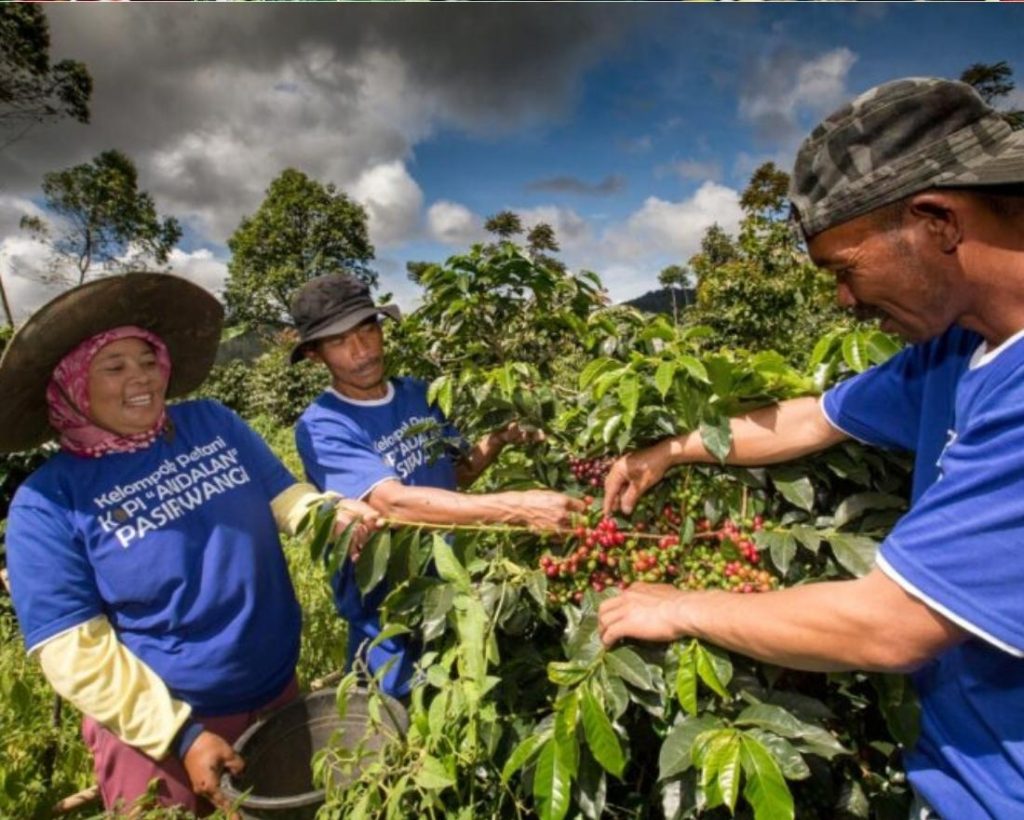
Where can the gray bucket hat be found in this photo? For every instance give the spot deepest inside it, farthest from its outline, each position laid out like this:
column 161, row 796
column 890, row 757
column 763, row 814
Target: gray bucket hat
column 186, row 316
column 895, row 140
column 331, row 304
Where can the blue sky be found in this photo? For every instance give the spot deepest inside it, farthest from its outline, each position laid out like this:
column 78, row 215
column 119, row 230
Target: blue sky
column 629, row 127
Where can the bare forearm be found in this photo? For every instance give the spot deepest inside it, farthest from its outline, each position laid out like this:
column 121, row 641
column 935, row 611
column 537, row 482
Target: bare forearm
column 431, row 505
column 868, row 624
column 768, row 435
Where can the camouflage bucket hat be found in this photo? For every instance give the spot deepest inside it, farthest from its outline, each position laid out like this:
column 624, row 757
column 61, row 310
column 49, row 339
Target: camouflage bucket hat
column 895, row 140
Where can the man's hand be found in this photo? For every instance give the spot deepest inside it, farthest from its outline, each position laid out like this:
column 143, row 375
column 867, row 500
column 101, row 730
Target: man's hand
column 632, row 475
column 648, row 612
column 349, row 510
column 205, row 762
column 546, row 510
column 513, row 433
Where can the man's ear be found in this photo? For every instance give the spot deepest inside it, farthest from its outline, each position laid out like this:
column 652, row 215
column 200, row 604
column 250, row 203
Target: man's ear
column 310, row 352
column 941, row 214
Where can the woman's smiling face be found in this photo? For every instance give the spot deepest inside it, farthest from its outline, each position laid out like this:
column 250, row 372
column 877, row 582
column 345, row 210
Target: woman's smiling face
column 126, row 387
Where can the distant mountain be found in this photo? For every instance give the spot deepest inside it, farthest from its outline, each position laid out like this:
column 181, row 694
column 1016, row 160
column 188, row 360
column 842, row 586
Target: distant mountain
column 660, row 301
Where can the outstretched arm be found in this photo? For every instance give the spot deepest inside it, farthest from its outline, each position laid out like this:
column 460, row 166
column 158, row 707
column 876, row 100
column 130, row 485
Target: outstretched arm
column 768, row 435
column 542, row 510
column 870, row 623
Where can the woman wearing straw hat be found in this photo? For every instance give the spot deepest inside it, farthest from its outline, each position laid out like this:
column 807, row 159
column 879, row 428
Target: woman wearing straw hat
column 146, row 568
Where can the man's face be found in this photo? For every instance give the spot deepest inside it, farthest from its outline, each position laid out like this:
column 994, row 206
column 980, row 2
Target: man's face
column 891, row 274
column 355, row 359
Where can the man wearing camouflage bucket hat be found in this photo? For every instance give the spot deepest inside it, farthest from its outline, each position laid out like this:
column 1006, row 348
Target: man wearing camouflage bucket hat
column 912, row 195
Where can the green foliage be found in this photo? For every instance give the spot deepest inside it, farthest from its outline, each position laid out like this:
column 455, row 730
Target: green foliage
column 522, row 712
column 31, row 89
column 102, row 217
column 504, row 224
column 268, row 387
column 302, row 229
column 39, row 761
column 495, row 327
column 761, row 292
column 994, row 82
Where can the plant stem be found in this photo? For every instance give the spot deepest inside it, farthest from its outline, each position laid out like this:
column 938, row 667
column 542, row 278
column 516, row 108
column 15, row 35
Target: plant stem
column 511, row 528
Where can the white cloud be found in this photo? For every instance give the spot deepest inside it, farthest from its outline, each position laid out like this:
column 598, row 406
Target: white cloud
column 674, row 228
column 821, row 83
column 453, row 224
column 1013, row 101
column 25, row 271
column 202, row 267
column 691, row 169
column 784, row 85
column 342, row 95
column 393, row 201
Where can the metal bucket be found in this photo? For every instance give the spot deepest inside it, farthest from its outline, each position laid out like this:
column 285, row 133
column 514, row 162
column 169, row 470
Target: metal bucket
column 278, row 752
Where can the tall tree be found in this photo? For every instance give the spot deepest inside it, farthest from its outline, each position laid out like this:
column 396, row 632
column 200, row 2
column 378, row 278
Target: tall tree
column 504, row 224
column 31, row 89
column 672, row 277
column 541, row 239
column 994, row 82
column 716, row 249
column 541, row 242
column 765, row 194
column 102, row 218
column 302, row 229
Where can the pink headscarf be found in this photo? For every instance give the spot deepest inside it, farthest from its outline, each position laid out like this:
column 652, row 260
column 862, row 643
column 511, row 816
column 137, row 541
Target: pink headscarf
column 68, row 397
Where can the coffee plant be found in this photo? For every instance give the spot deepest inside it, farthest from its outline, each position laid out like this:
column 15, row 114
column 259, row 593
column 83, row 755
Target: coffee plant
column 519, row 710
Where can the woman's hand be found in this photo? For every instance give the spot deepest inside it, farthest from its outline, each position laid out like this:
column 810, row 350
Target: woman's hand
column 348, row 510
column 206, row 761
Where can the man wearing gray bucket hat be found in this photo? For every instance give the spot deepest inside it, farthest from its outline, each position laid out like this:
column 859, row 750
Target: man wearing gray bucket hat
column 145, row 564
column 364, row 438
column 912, row 195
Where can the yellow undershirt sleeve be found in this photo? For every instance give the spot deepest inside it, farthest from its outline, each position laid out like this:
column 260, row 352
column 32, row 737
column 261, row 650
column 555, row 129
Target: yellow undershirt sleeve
column 290, row 506
column 95, row 672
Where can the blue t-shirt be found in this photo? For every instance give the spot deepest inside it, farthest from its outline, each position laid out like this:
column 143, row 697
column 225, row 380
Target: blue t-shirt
column 177, row 546
column 350, row 447
column 956, row 551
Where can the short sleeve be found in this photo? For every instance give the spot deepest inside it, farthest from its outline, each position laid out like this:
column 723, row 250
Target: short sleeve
column 882, row 405
column 52, row 583
column 340, row 457
column 957, row 549
column 273, row 476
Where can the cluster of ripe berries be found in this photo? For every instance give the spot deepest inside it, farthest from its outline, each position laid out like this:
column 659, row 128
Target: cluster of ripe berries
column 590, row 472
column 604, row 556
